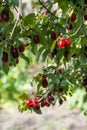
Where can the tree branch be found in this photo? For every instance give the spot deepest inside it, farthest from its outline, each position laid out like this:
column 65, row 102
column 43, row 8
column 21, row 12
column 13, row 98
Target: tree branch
column 47, row 9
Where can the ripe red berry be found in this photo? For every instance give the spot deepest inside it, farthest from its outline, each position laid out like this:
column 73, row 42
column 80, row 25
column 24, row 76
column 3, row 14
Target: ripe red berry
column 85, row 17
column 61, row 43
column 67, row 42
column 21, row 48
column 53, row 36
column 28, row 103
column 73, row 17
column 34, row 103
column 36, row 39
column 5, row 57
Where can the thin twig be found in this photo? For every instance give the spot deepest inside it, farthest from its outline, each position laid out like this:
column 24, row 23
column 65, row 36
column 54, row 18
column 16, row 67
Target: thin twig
column 19, row 13
column 47, row 9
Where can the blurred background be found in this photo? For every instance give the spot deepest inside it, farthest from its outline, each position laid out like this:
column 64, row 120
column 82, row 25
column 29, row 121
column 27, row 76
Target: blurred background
column 65, row 117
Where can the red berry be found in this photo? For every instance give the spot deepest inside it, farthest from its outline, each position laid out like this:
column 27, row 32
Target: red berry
column 5, row 57
column 28, row 102
column 73, row 17
column 60, row 70
column 1, row 19
column 69, row 26
column 34, row 103
column 17, row 61
column 44, row 83
column 50, row 98
column 60, row 101
column 14, row 52
column 47, row 12
column 85, row 1
column 85, row 17
column 36, row 39
column 66, row 54
column 61, row 90
column 61, row 43
column 67, row 42
column 44, row 103
column 53, row 36
column 21, row 48
column 5, row 16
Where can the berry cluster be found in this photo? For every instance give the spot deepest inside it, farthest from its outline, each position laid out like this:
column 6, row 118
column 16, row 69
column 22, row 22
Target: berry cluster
column 40, row 102
column 12, row 54
column 64, row 43
column 72, row 19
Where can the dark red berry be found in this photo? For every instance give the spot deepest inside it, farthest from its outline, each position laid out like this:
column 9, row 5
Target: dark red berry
column 61, row 43
column 44, row 103
column 36, row 39
column 67, row 42
column 85, row 17
column 84, row 83
column 61, row 90
column 85, row 1
column 21, row 48
column 47, row 12
column 14, row 52
column 17, row 61
column 66, row 54
column 5, row 57
column 50, row 98
column 1, row 19
column 73, row 17
column 69, row 26
column 28, row 103
column 60, row 70
column 5, row 16
column 53, row 36
column 53, row 53
column 44, row 83
column 60, row 101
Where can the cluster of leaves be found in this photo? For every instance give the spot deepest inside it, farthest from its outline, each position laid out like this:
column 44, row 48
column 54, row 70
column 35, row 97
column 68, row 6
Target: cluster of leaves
column 58, row 39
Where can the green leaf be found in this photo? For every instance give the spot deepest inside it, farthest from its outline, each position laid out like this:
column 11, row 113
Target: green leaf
column 30, row 18
column 25, row 58
column 14, row 2
column 37, row 111
column 5, row 68
column 82, row 58
column 44, row 55
column 39, row 53
column 23, row 96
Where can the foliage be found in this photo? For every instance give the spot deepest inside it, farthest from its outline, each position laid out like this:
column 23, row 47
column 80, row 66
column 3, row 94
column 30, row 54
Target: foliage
column 55, row 36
